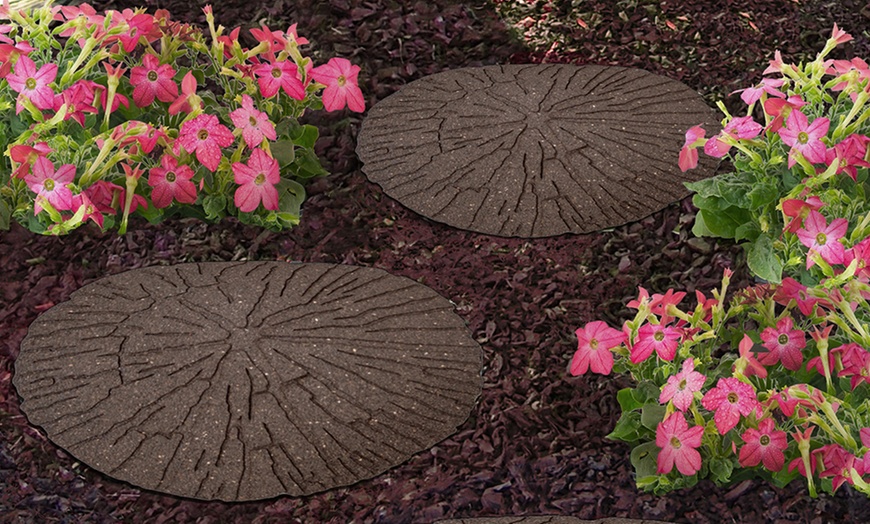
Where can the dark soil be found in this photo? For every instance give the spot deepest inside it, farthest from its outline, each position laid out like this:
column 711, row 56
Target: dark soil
column 535, row 442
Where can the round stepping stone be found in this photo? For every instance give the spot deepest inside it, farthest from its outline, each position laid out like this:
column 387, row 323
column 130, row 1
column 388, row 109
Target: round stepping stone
column 244, row 381
column 535, row 150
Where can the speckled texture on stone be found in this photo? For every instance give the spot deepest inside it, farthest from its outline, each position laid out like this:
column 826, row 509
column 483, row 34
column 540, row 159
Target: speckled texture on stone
column 535, row 150
column 243, row 381
column 547, row 519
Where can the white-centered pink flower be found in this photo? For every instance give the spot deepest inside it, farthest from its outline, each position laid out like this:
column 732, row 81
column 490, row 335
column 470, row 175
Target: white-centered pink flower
column 822, row 238
column 255, row 124
column 33, row 84
column 257, row 182
column 50, row 184
column 681, row 387
column 340, row 78
column 805, row 138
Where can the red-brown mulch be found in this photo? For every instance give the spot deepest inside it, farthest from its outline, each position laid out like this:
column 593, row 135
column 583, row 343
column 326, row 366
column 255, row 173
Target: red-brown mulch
column 535, row 442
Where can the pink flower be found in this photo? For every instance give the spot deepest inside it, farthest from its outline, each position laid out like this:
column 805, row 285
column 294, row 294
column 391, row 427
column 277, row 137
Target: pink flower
column 783, row 344
column 689, row 153
column 33, row 84
column 340, row 78
column 681, row 387
column 747, row 361
column 91, row 212
column 790, row 289
column 50, row 184
column 188, row 96
column 678, row 443
column 253, row 123
column 279, row 75
column 780, row 109
column 798, row 210
column 104, row 195
column 805, row 138
column 257, row 182
column 27, row 155
column 78, row 98
column 763, row 445
column 838, row 36
column 594, row 342
column 803, row 437
column 850, row 154
column 152, row 80
column 730, row 399
column 838, row 463
column 206, row 136
column 171, row 182
column 738, row 128
column 768, row 85
column 662, row 339
column 823, row 239
column 856, row 364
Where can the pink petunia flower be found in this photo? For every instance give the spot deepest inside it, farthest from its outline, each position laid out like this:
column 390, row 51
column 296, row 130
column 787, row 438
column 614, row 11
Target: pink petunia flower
column 738, row 128
column 104, row 195
column 254, row 124
column 279, row 75
column 823, row 239
column 171, row 182
column 26, row 155
column 78, row 99
column 257, row 182
column 768, row 85
column 790, row 289
column 798, row 209
column 152, row 80
column 783, row 344
column 340, row 78
column 50, row 184
column 91, row 212
column 805, row 138
column 730, row 399
column 33, row 84
column 186, row 101
column 205, row 135
column 594, row 342
column 747, row 362
column 678, row 443
column 850, row 153
column 662, row 339
column 681, row 387
column 763, row 445
column 780, row 109
column 689, row 153
column 838, row 463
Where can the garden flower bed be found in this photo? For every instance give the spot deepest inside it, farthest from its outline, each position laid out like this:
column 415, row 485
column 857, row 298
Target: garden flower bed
column 535, row 443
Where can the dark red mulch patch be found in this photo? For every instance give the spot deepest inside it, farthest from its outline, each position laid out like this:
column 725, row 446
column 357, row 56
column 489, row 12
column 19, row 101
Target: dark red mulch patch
column 535, row 442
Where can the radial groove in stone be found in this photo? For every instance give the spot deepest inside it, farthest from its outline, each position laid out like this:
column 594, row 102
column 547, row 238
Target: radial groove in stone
column 535, row 150
column 244, row 381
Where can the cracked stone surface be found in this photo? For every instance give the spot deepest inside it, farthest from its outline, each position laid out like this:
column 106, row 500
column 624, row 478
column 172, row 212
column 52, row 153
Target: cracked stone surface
column 244, row 381
column 535, row 150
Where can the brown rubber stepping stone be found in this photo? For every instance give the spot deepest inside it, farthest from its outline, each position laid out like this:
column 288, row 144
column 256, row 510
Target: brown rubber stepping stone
column 547, row 519
column 244, row 381
column 535, row 150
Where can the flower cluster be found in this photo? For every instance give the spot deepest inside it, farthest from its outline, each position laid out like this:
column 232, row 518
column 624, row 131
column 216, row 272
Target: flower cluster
column 815, row 133
column 90, row 103
column 774, row 382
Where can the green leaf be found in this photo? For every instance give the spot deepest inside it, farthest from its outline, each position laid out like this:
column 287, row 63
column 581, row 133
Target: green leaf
column 284, row 152
column 762, row 260
column 700, row 229
column 627, row 401
column 720, row 470
column 308, row 165
column 712, row 203
column 291, row 194
column 763, row 194
column 5, row 215
column 724, row 223
column 214, row 206
column 646, row 390
column 627, row 428
column 706, row 188
column 651, row 415
column 305, row 136
column 748, row 231
column 643, row 458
